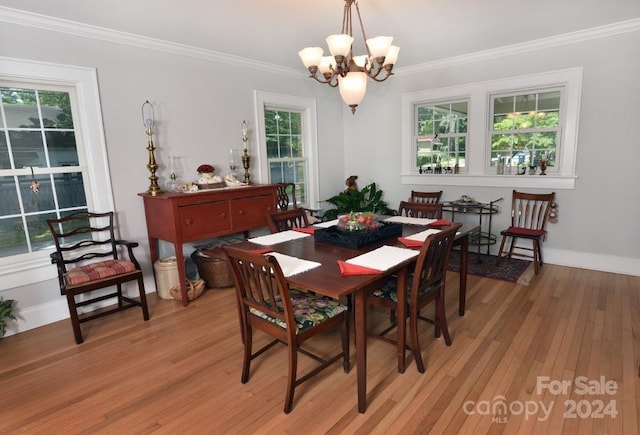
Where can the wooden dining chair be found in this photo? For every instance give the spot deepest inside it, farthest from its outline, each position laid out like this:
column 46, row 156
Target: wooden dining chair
column 286, row 196
column 428, row 197
column 420, row 209
column 425, row 285
column 529, row 216
column 286, row 220
column 87, row 258
column 290, row 316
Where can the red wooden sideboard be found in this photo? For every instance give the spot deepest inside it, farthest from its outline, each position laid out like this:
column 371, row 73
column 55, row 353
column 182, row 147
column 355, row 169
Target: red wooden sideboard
column 188, row 217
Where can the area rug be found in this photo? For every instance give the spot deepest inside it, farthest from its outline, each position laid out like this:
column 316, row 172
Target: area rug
column 510, row 269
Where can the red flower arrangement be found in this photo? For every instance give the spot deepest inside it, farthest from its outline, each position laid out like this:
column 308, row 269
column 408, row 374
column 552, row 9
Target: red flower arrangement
column 205, row 169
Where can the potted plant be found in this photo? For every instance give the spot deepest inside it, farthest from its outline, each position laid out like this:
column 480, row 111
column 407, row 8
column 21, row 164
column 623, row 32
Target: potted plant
column 6, row 312
column 369, row 198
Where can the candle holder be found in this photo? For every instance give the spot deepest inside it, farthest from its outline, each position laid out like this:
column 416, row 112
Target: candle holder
column 246, row 160
column 148, row 120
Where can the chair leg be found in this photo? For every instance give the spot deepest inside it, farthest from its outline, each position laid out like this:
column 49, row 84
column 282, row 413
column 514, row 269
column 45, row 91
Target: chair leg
column 120, row 302
column 143, row 299
column 291, row 378
column 246, row 363
column 346, row 363
column 441, row 319
column 415, row 344
column 536, row 256
column 504, row 238
column 513, row 244
column 75, row 320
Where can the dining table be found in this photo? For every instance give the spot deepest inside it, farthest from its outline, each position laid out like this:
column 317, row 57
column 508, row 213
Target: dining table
column 328, row 280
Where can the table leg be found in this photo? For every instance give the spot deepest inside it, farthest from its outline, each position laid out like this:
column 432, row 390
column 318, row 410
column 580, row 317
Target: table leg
column 402, row 317
column 360, row 307
column 464, row 260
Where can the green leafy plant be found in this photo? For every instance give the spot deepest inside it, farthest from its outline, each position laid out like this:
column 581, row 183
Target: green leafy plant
column 369, row 198
column 6, row 312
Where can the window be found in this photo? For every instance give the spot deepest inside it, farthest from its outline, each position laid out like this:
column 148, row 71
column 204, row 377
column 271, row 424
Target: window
column 525, row 130
column 491, row 126
column 37, row 136
column 52, row 160
column 285, row 154
column 288, row 145
column 441, row 137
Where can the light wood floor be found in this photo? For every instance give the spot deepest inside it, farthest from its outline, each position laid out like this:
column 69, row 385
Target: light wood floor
column 180, row 372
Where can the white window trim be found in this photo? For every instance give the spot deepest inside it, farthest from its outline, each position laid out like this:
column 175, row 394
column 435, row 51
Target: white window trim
column 310, row 138
column 30, row 268
column 478, row 130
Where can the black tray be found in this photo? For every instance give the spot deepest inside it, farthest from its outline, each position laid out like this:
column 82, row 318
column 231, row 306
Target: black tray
column 356, row 239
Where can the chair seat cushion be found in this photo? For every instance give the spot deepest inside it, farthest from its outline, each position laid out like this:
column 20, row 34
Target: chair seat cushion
column 98, row 270
column 523, row 232
column 389, row 291
column 308, row 310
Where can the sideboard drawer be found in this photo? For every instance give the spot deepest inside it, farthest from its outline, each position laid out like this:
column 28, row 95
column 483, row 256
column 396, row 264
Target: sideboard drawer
column 204, row 220
column 251, row 212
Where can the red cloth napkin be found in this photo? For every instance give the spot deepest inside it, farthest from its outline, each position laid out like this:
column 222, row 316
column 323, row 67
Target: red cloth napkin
column 261, row 251
column 440, row 223
column 409, row 243
column 348, row 269
column 308, row 230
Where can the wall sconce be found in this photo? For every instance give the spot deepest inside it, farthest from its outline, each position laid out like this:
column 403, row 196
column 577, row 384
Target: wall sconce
column 245, row 157
column 148, row 120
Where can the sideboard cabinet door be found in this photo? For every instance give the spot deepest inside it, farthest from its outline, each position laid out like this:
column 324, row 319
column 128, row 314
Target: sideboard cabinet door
column 250, row 212
column 200, row 221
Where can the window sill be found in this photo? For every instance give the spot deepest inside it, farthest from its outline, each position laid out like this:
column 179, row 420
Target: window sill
column 510, row 181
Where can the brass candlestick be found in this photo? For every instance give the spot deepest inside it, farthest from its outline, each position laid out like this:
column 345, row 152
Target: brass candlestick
column 148, row 119
column 246, row 160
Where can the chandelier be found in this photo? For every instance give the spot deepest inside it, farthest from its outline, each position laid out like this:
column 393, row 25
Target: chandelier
column 345, row 70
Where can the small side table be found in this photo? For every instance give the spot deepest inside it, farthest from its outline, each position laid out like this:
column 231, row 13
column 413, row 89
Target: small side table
column 482, row 238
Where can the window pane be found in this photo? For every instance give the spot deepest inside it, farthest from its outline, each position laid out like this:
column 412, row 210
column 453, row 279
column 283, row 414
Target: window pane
column 272, row 146
column 13, row 240
column 296, row 146
column 33, row 201
column 276, row 172
column 525, row 103
column 549, row 101
column 70, row 190
column 8, row 197
column 20, row 108
column 5, row 163
column 28, row 149
column 56, row 109
column 38, row 230
column 62, row 148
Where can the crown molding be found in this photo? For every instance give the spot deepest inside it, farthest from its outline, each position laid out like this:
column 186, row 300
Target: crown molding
column 525, row 47
column 43, row 22
column 39, row 21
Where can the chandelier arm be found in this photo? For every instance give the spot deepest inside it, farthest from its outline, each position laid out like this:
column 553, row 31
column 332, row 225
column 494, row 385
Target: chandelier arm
column 327, row 80
column 364, row 36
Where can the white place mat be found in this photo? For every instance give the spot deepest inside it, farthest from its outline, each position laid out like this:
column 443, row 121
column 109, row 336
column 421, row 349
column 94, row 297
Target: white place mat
column 293, row 265
column 327, row 224
column 383, row 258
column 410, row 220
column 422, row 235
column 283, row 236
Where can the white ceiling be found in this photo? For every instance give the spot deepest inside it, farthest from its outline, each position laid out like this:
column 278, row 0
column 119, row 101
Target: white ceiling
column 274, row 31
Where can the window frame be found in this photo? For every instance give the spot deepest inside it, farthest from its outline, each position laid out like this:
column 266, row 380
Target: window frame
column 307, row 108
column 479, row 127
column 29, row 268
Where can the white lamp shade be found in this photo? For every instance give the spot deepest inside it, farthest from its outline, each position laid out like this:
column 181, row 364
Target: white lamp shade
column 379, row 46
column 311, row 56
column 339, row 45
column 326, row 63
column 352, row 87
column 392, row 55
column 361, row 60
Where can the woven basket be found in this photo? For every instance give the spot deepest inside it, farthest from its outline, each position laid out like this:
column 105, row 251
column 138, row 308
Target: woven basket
column 194, row 289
